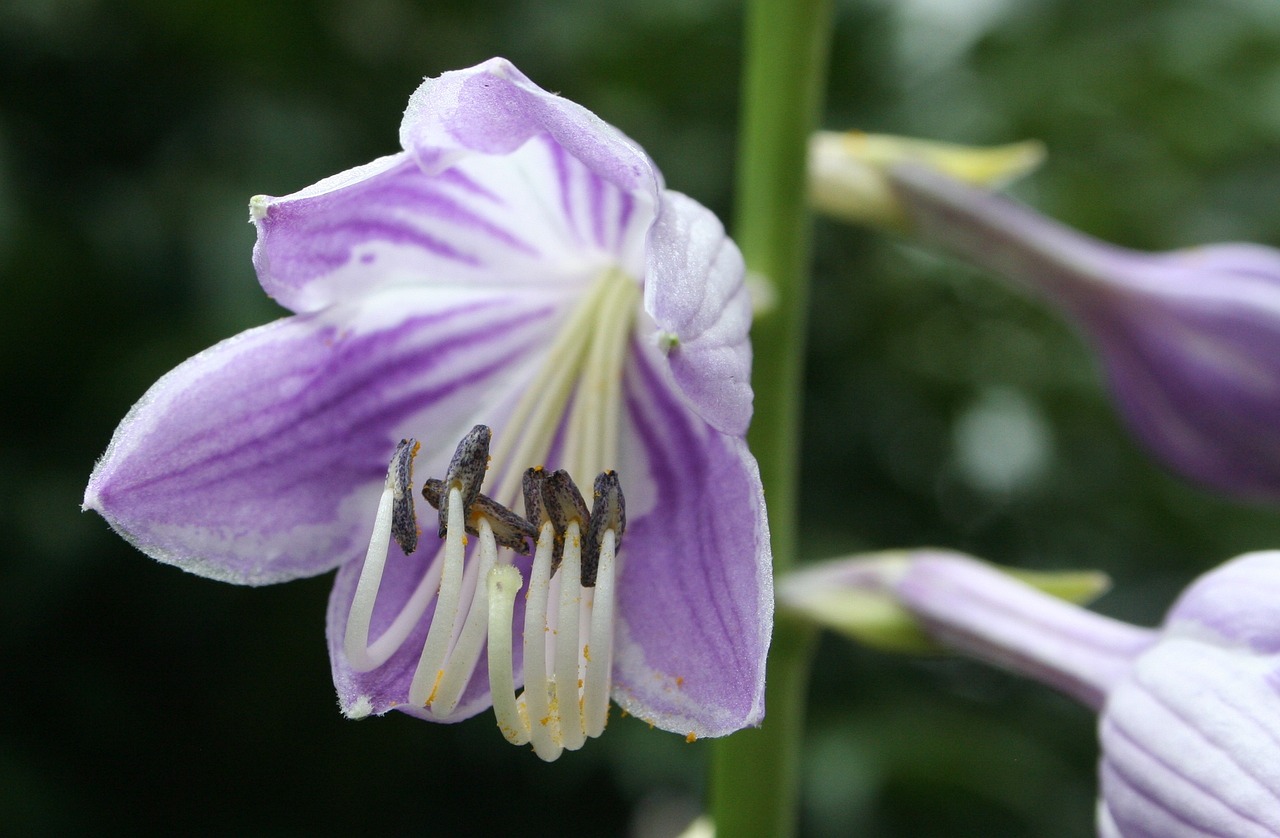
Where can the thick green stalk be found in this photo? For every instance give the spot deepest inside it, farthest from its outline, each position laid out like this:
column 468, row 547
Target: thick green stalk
column 754, row 774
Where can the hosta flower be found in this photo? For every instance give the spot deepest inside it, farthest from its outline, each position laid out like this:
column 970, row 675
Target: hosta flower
column 1189, row 714
column 517, row 276
column 1190, row 340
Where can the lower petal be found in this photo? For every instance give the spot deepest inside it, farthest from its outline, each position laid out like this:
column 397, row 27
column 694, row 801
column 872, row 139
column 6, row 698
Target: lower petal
column 695, row 596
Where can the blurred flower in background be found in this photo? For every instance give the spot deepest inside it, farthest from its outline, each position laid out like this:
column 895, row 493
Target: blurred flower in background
column 1189, row 340
column 1189, row 714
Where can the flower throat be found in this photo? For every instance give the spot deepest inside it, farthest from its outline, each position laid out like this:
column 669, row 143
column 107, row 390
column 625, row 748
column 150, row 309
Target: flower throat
column 569, row 601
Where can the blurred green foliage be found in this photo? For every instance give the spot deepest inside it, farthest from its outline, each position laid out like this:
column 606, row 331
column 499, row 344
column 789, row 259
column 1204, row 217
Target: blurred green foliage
column 942, row 409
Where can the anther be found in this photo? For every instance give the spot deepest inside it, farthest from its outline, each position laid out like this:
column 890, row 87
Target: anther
column 531, row 485
column 466, row 471
column 404, row 522
column 564, row 505
column 608, row 512
column 509, row 529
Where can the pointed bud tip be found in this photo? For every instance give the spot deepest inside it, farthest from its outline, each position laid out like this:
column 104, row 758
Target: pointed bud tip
column 848, row 171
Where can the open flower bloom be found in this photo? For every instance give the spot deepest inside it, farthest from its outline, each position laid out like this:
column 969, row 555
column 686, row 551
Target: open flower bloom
column 518, row 266
column 1189, row 714
column 1190, row 340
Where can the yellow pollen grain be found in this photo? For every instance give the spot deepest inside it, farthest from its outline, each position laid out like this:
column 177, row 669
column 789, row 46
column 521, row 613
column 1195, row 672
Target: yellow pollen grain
column 465, row 541
column 586, row 652
column 679, row 680
column 435, row 686
column 691, row 738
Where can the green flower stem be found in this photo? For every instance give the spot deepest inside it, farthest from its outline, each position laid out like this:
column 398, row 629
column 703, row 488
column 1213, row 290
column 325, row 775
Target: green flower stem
column 754, row 774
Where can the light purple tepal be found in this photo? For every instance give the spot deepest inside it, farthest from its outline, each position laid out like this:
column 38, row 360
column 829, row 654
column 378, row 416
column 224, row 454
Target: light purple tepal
column 1190, row 340
column 1189, row 714
column 517, row 274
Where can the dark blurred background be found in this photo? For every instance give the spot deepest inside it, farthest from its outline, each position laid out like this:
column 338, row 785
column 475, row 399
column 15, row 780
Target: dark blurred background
column 942, row 408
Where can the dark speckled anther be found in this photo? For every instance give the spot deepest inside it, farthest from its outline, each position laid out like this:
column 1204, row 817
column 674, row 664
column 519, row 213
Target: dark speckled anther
column 404, row 521
column 563, row 503
column 608, row 512
column 466, row 472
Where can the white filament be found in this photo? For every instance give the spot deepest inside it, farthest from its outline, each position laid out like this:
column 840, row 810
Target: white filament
column 470, row 641
column 362, row 655
column 431, row 665
column 504, row 583
column 595, row 689
column 544, row 728
column 568, row 642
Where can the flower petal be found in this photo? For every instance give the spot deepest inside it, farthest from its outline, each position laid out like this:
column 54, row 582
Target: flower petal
column 493, row 109
column 695, row 293
column 534, row 217
column 696, row 588
column 1196, row 376
column 1236, row 604
column 260, row 460
column 1191, row 744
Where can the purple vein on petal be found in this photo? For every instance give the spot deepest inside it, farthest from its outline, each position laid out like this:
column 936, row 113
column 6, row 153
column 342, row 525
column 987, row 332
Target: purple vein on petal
column 1114, row 724
column 1124, row 816
column 1136, row 781
column 663, row 425
column 292, row 441
column 560, row 161
column 595, row 200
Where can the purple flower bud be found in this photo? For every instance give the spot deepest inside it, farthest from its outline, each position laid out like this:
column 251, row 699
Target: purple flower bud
column 1190, row 340
column 1189, row 714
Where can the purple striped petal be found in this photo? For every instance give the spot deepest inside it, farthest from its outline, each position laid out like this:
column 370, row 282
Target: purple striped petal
column 494, row 109
column 532, row 218
column 261, row 459
column 696, row 296
column 696, row 590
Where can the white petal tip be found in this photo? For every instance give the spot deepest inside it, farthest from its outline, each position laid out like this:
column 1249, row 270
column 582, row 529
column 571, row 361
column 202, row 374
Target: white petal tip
column 358, row 709
column 258, row 207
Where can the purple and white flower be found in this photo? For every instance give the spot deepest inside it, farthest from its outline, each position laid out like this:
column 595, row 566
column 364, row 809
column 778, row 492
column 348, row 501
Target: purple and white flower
column 1189, row 714
column 1190, row 340
column 519, row 265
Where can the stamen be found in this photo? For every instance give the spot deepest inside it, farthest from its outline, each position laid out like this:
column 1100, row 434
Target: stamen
column 544, row 728
column 598, row 681
column 608, row 512
column 509, row 529
column 394, row 519
column 430, row 666
column 467, row 647
column 604, row 537
column 466, row 470
column 504, row 583
column 563, row 503
column 567, row 678
column 574, row 396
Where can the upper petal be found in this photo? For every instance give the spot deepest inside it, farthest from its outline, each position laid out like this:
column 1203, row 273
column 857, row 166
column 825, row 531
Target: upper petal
column 494, row 109
column 695, row 596
column 695, row 293
column 260, row 459
column 1237, row 604
column 533, row 218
